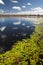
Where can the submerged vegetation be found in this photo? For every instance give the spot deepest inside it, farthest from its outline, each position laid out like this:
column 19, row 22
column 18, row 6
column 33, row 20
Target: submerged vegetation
column 27, row 51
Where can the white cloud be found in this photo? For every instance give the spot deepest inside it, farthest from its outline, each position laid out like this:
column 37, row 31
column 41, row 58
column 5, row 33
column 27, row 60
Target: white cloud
column 1, row 11
column 3, row 28
column 23, row 6
column 17, row 23
column 29, row 3
column 27, row 26
column 1, row 2
column 17, row 8
column 36, row 10
column 24, row 12
column 14, row 1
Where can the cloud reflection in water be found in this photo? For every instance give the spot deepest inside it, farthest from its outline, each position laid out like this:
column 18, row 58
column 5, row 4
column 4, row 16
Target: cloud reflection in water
column 12, row 31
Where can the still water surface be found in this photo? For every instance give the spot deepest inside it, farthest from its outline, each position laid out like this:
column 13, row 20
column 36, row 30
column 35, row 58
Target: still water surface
column 14, row 29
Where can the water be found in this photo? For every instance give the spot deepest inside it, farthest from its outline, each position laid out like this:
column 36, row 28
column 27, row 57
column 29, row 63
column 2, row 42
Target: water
column 14, row 29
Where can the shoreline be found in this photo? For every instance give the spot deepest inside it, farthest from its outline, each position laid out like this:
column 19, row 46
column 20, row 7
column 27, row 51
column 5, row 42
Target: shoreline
column 11, row 15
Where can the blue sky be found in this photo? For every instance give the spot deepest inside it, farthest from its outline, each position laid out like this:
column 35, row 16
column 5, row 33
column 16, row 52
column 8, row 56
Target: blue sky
column 15, row 6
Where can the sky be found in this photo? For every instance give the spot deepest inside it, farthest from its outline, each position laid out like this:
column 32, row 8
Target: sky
column 21, row 6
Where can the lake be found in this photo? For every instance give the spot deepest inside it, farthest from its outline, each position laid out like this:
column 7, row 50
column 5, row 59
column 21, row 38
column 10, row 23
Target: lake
column 13, row 29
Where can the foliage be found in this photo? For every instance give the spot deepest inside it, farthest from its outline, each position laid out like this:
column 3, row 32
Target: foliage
column 25, row 52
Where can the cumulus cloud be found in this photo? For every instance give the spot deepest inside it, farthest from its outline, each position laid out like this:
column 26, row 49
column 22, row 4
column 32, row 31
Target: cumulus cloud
column 23, row 6
column 17, row 8
column 1, row 11
column 14, row 1
column 29, row 3
column 36, row 10
column 17, row 23
column 3, row 28
column 1, row 2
